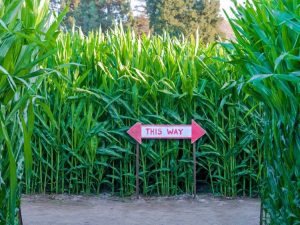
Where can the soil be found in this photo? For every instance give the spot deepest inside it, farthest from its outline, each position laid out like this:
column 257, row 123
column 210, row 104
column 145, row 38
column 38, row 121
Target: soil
column 108, row 210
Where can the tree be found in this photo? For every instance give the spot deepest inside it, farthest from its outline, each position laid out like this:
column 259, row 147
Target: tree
column 140, row 21
column 91, row 14
column 185, row 17
column 140, row 24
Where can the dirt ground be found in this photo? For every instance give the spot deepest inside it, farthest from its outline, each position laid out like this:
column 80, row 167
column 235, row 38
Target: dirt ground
column 107, row 210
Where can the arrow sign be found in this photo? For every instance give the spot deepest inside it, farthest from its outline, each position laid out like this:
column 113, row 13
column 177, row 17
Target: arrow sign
column 140, row 131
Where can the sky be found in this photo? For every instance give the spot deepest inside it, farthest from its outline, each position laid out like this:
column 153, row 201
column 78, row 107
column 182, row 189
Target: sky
column 225, row 4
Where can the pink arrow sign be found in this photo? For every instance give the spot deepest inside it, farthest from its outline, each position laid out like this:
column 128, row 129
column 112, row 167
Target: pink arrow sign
column 193, row 132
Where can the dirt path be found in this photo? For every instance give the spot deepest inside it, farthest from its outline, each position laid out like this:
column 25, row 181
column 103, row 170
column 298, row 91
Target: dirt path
column 182, row 210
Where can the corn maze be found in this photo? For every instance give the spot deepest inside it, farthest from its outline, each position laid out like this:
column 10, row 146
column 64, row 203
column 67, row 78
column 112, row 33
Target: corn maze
column 67, row 100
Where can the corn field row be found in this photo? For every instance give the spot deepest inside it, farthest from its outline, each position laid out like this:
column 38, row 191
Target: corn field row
column 82, row 114
column 26, row 40
column 267, row 52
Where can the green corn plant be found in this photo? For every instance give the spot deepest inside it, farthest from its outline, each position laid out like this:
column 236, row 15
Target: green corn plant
column 266, row 51
column 26, row 39
column 115, row 79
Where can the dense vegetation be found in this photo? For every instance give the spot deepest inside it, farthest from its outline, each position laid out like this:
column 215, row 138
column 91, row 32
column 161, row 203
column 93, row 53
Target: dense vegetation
column 267, row 54
column 91, row 14
column 25, row 41
column 66, row 101
column 80, row 141
column 179, row 17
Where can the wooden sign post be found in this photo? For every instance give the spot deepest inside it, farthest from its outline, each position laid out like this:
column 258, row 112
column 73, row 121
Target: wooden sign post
column 139, row 132
column 137, row 168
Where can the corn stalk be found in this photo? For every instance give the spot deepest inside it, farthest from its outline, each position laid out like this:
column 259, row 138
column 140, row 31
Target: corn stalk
column 26, row 39
column 116, row 79
column 267, row 53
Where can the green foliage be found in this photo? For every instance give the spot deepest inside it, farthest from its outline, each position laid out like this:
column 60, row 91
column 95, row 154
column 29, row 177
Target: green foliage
column 90, row 15
column 67, row 132
column 185, row 17
column 80, row 142
column 25, row 41
column 267, row 53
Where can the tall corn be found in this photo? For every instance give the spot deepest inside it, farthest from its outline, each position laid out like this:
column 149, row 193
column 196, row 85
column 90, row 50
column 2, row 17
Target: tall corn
column 267, row 53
